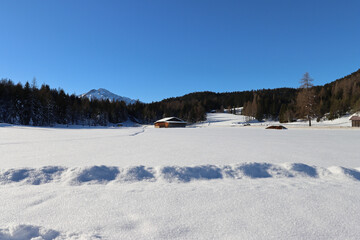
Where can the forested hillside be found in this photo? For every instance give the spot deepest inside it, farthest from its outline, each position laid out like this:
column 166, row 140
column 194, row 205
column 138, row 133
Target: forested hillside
column 30, row 105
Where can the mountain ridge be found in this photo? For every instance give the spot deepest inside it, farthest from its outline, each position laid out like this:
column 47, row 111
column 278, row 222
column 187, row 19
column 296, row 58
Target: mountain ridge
column 104, row 94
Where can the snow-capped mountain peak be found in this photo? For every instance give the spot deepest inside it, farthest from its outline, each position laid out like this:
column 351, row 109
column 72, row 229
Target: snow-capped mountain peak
column 103, row 94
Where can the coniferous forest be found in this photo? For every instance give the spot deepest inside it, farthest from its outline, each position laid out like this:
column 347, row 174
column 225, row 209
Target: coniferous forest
column 42, row 106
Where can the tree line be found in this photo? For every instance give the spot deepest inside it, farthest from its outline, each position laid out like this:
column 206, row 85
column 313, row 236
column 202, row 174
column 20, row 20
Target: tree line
column 30, row 105
column 42, row 106
column 332, row 100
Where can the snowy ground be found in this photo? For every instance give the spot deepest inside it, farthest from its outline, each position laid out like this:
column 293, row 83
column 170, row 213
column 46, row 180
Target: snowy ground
column 225, row 119
column 215, row 180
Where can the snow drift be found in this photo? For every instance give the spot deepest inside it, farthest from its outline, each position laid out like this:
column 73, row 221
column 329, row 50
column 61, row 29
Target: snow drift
column 26, row 232
column 105, row 174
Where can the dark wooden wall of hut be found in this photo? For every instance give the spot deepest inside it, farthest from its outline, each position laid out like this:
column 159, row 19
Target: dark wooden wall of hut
column 355, row 123
column 169, row 125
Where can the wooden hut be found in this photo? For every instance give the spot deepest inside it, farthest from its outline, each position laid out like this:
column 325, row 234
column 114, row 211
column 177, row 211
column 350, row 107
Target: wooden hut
column 170, row 122
column 355, row 121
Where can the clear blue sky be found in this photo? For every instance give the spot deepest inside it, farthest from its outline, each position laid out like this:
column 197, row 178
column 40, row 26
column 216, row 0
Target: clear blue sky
column 150, row 50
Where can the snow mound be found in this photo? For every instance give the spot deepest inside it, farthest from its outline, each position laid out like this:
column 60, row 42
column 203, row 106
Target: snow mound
column 32, row 176
column 94, row 174
column 30, row 232
column 26, row 232
column 256, row 170
column 345, row 172
column 300, row 169
column 136, row 174
column 105, row 174
column 186, row 174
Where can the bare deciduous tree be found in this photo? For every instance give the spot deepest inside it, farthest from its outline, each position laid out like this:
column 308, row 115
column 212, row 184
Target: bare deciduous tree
column 306, row 98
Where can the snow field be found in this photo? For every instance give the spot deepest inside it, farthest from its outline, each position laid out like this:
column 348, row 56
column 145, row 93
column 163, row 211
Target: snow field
column 225, row 119
column 218, row 209
column 38, row 147
column 214, row 180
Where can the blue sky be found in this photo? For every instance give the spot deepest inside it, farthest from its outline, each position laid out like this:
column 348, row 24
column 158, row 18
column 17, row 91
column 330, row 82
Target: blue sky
column 150, row 50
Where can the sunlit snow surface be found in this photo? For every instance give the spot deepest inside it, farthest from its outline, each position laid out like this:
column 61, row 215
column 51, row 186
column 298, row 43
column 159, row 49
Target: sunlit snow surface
column 214, row 180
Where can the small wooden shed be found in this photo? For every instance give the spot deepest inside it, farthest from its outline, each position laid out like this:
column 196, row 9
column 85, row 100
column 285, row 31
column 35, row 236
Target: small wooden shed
column 170, row 122
column 355, row 121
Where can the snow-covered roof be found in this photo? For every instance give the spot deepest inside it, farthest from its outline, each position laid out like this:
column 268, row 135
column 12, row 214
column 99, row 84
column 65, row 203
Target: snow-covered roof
column 171, row 119
column 355, row 116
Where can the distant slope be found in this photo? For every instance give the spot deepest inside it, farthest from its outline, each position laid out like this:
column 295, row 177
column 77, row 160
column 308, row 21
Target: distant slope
column 27, row 105
column 103, row 94
column 332, row 100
